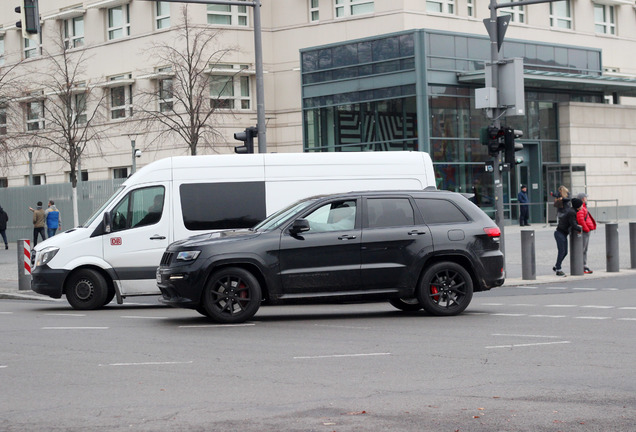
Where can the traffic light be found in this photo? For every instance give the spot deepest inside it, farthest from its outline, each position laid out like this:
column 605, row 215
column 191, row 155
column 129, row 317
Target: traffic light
column 30, row 18
column 511, row 147
column 493, row 138
column 247, row 136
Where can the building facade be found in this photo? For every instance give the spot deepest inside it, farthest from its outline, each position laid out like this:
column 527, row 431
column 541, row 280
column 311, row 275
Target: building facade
column 348, row 75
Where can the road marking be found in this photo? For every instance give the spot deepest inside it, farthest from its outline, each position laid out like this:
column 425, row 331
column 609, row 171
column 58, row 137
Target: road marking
column 556, row 288
column 142, row 317
column 527, row 345
column 627, row 308
column 561, row 306
column 342, row 326
column 146, row 363
column 593, row 318
column 523, row 304
column 508, row 314
column 65, row 314
column 3, row 366
column 6, row 313
column 597, row 307
column 522, row 335
column 610, row 289
column 626, row 319
column 74, row 328
column 216, row 325
column 585, row 289
column 547, row 316
column 340, row 356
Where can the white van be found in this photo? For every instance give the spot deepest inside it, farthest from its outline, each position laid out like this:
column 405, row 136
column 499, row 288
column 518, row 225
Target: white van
column 117, row 251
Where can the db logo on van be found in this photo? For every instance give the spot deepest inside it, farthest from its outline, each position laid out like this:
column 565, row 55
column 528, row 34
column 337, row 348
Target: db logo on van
column 115, row 241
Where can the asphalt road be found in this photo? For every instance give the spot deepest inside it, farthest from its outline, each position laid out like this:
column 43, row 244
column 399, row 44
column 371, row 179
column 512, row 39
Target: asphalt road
column 552, row 357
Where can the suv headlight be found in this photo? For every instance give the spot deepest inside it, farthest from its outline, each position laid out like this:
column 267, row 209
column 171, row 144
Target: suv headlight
column 188, row 255
column 45, row 255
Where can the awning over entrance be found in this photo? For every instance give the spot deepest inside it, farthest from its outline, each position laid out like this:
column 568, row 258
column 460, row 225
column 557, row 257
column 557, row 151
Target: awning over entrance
column 564, row 81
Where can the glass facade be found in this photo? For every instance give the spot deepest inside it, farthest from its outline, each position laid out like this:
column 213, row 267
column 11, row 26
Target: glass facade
column 401, row 92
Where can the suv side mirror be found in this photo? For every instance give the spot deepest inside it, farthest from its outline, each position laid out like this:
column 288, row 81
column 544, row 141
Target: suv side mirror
column 299, row 226
column 107, row 223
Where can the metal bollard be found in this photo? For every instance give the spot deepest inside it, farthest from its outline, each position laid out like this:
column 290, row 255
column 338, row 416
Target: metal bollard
column 576, row 254
column 528, row 259
column 24, row 265
column 611, row 247
column 632, row 243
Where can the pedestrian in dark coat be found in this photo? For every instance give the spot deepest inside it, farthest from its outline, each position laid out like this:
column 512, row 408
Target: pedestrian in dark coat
column 524, row 210
column 4, row 218
column 567, row 223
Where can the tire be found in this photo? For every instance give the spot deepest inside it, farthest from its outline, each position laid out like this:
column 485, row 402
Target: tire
column 232, row 295
column 411, row 304
column 446, row 289
column 110, row 296
column 202, row 311
column 86, row 290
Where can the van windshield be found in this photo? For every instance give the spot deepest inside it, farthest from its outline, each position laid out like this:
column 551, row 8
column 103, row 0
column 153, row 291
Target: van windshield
column 99, row 212
column 278, row 218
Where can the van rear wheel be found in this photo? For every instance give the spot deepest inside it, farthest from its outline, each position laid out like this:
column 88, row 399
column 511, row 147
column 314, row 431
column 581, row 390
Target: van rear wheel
column 232, row 295
column 86, row 289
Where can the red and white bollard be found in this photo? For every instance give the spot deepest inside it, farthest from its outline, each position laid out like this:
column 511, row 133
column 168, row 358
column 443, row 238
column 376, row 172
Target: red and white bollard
column 24, row 264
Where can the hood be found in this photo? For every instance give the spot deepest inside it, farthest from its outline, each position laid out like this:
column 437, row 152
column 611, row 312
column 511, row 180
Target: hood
column 214, row 237
column 63, row 239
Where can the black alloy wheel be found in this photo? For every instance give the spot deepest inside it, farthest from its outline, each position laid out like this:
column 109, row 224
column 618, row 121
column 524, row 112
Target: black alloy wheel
column 446, row 289
column 232, row 295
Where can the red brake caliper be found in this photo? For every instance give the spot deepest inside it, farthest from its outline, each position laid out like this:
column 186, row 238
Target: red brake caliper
column 434, row 291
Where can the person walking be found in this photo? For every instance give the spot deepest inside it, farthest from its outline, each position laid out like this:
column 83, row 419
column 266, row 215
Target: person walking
column 39, row 219
column 524, row 210
column 53, row 219
column 588, row 224
column 562, row 201
column 567, row 223
column 4, row 218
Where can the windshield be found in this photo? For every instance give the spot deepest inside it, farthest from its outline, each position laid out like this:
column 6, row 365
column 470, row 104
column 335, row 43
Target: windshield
column 278, row 218
column 101, row 209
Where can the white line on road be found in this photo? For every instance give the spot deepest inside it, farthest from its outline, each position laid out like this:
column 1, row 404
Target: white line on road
column 146, row 363
column 528, row 345
column 3, row 366
column 561, row 306
column 597, row 307
column 65, row 314
column 340, row 356
column 610, row 289
column 627, row 308
column 585, row 289
column 556, row 288
column 508, row 314
column 74, row 328
column 6, row 313
column 626, row 319
column 523, row 304
column 522, row 335
column 142, row 317
column 216, row 325
column 593, row 318
column 547, row 316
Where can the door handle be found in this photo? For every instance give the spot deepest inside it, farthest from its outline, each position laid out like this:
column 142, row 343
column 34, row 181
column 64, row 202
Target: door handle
column 416, row 232
column 157, row 237
column 346, row 237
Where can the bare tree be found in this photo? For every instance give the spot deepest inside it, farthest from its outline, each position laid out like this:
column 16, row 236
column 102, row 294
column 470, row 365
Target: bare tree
column 9, row 85
column 72, row 111
column 183, row 105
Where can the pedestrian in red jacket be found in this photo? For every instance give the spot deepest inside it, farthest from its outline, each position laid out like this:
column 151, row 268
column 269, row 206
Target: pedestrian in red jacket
column 588, row 224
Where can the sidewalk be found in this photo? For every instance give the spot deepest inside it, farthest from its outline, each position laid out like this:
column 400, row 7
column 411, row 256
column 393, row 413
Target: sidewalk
column 545, row 250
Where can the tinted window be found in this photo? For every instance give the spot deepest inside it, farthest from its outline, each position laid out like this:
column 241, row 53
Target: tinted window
column 386, row 212
column 437, row 211
column 208, row 206
column 139, row 208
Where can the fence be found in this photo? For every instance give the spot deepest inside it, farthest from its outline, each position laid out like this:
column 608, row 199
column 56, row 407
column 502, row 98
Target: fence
column 17, row 200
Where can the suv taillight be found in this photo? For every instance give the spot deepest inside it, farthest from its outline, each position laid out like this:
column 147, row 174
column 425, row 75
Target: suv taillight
column 493, row 233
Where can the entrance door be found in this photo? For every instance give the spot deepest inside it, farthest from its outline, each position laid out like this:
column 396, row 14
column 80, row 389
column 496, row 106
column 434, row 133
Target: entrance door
column 529, row 173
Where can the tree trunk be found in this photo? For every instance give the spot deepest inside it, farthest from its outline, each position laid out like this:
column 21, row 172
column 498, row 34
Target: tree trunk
column 75, row 209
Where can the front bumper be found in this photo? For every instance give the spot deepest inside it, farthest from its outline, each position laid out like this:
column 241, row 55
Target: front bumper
column 48, row 281
column 178, row 288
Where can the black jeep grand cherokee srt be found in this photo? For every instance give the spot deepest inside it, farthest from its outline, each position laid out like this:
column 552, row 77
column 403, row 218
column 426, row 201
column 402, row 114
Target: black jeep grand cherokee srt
column 424, row 249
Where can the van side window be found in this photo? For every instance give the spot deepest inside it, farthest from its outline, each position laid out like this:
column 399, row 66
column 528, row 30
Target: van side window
column 388, row 212
column 139, row 208
column 437, row 211
column 335, row 216
column 208, row 206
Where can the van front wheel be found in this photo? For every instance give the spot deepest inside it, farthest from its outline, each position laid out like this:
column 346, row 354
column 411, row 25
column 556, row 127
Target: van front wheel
column 86, row 289
column 232, row 295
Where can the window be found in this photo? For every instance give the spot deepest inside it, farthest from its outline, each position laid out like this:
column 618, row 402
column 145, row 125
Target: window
column 604, row 22
column 439, row 211
column 166, row 93
column 120, row 173
column 3, row 121
column 345, row 8
column 4, row 182
column 314, row 14
column 83, row 176
column 227, row 15
column 441, row 6
column 79, row 107
column 561, row 14
column 74, row 32
column 517, row 13
column 230, row 91
column 470, row 8
column 162, row 10
column 118, row 22
column 120, row 99
column 38, row 179
column 389, row 212
column 335, row 216
column 35, row 115
column 31, row 48
column 139, row 208
column 235, row 205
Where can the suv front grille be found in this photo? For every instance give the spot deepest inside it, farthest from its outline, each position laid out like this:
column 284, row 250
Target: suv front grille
column 166, row 258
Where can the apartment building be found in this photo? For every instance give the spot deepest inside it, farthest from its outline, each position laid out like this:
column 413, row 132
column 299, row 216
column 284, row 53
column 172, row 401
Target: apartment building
column 347, row 75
